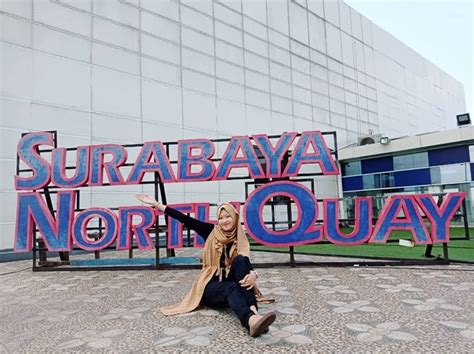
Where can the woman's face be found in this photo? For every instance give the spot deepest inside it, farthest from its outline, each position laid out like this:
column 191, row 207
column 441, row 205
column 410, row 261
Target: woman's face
column 225, row 221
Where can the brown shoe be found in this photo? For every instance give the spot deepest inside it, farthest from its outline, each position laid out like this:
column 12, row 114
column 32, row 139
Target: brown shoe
column 259, row 323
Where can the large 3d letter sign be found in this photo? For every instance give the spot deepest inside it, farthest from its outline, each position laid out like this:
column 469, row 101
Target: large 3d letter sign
column 303, row 232
column 195, row 162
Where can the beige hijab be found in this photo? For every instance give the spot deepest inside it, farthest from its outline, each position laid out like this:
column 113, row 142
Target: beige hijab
column 213, row 249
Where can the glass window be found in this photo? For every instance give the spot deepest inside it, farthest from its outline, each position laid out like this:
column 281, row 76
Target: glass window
column 368, row 181
column 380, row 180
column 420, row 160
column 471, row 153
column 384, row 180
column 351, row 168
column 458, row 173
column 435, row 175
column 404, row 162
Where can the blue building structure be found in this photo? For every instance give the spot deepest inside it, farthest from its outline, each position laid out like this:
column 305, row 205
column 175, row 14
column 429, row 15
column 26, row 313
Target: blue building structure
column 428, row 163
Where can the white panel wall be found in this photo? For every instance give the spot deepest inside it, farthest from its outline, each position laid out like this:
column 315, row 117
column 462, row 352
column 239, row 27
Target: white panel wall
column 128, row 71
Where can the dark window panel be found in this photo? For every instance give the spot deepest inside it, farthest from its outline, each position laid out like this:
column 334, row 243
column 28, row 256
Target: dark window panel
column 449, row 155
column 413, row 177
column 352, row 183
column 380, row 164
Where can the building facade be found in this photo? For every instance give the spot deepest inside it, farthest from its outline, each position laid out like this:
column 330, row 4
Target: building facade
column 129, row 71
column 433, row 163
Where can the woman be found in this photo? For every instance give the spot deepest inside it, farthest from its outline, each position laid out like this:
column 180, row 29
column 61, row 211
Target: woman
column 227, row 277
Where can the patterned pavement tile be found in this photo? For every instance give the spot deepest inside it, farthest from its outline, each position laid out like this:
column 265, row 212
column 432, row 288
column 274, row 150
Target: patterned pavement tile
column 285, row 335
column 377, row 276
column 381, row 331
column 276, row 291
column 202, row 312
column 330, row 309
column 465, row 329
column 464, row 286
column 433, row 275
column 359, row 305
column 187, row 336
column 431, row 304
column 124, row 313
column 338, row 289
column 398, row 288
column 282, row 307
column 92, row 339
column 322, row 278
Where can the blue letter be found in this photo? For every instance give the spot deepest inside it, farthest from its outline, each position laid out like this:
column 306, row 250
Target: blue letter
column 155, row 150
column 303, row 232
column 32, row 211
column 126, row 227
column 321, row 155
column 28, row 152
column 248, row 160
column 274, row 155
column 412, row 221
column 59, row 168
column 119, row 157
column 79, row 229
column 440, row 217
column 186, row 160
column 362, row 227
column 175, row 228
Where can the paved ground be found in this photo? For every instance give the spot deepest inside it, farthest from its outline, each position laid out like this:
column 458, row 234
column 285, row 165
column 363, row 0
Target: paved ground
column 357, row 309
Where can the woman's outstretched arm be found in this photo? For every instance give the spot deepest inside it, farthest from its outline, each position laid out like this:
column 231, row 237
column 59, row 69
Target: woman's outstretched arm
column 201, row 227
column 145, row 198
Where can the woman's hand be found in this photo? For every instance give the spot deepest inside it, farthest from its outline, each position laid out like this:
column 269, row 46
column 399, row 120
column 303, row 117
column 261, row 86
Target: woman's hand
column 144, row 198
column 248, row 282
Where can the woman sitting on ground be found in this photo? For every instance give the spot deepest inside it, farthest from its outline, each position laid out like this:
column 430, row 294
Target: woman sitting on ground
column 227, row 277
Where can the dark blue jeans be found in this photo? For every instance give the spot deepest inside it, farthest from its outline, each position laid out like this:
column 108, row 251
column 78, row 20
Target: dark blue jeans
column 228, row 292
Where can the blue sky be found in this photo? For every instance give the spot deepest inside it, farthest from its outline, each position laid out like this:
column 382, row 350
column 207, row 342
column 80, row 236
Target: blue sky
column 441, row 31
